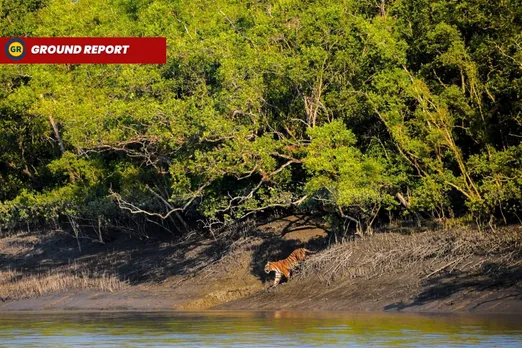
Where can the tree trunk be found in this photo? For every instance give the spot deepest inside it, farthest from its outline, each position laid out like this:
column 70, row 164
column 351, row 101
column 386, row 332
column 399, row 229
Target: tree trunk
column 57, row 133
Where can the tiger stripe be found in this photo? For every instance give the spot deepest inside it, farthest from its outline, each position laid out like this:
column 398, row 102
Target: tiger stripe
column 283, row 267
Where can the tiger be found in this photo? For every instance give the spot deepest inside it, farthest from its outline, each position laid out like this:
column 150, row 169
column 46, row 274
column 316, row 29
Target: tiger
column 283, row 267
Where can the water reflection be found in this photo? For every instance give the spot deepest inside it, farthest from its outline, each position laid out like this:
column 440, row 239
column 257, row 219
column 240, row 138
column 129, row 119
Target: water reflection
column 256, row 329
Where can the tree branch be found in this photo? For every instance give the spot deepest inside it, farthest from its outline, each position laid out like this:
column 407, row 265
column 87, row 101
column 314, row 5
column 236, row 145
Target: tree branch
column 133, row 209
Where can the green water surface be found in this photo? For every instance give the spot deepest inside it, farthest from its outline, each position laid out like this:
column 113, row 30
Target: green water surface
column 256, row 329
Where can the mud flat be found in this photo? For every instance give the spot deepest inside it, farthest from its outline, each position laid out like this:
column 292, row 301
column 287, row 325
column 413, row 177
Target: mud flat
column 458, row 270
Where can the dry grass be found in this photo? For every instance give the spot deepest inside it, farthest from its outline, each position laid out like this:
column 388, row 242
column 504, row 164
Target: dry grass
column 15, row 285
column 18, row 244
column 423, row 254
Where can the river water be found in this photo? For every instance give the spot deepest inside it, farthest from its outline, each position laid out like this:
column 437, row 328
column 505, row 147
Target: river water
column 256, row 329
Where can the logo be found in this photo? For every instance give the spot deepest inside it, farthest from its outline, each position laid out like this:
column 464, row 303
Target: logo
column 15, row 49
column 83, row 50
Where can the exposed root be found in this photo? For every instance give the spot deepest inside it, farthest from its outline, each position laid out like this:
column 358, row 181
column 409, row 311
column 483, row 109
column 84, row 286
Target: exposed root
column 424, row 254
column 14, row 285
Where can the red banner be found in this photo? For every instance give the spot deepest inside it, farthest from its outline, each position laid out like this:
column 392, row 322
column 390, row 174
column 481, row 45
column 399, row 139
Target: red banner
column 85, row 50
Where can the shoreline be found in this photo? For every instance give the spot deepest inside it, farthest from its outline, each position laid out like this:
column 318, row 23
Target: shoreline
column 226, row 312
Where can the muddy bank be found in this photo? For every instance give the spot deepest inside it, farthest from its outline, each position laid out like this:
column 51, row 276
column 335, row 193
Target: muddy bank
column 433, row 271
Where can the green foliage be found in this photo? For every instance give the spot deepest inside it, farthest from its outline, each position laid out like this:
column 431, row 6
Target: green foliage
column 500, row 181
column 338, row 106
column 341, row 175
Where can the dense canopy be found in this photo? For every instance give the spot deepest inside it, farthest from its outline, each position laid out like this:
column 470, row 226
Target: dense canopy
column 362, row 111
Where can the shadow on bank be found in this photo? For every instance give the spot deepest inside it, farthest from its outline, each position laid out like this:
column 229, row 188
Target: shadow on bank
column 484, row 283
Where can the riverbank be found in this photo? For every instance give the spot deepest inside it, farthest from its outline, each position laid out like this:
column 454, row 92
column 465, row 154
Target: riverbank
column 460, row 269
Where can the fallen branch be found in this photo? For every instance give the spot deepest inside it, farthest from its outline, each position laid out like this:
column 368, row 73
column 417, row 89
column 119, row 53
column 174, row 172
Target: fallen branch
column 444, row 267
